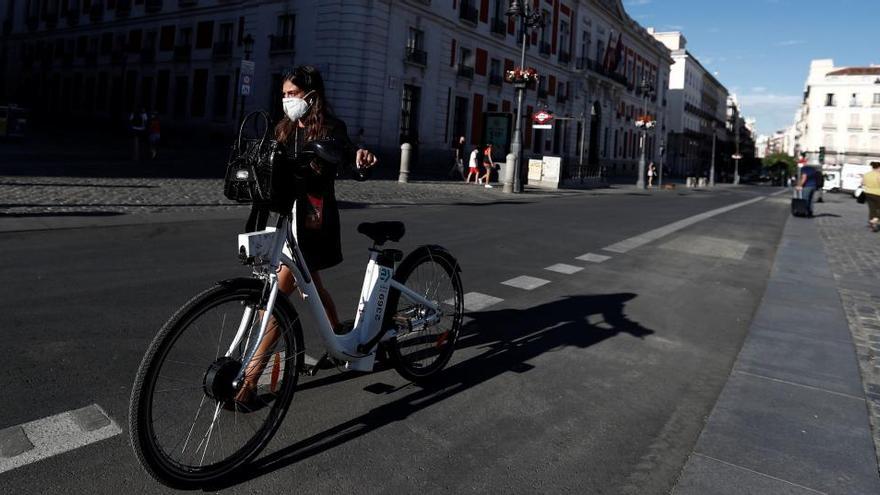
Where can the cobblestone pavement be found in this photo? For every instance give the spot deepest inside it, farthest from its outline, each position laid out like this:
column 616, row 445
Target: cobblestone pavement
column 22, row 196
column 853, row 252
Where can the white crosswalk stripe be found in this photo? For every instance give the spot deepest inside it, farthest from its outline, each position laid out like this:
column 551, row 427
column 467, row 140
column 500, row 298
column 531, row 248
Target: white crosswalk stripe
column 565, row 269
column 593, row 258
column 474, row 301
column 526, row 282
column 31, row 442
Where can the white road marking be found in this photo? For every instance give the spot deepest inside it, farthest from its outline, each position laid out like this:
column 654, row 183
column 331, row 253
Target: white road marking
column 627, row 245
column 593, row 258
column 526, row 282
column 563, row 268
column 474, row 301
column 708, row 246
column 61, row 433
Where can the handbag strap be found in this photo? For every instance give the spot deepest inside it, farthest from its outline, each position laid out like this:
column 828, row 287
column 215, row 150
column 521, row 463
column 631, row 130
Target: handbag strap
column 248, row 117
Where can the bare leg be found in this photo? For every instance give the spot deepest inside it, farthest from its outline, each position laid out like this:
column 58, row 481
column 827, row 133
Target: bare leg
column 286, row 284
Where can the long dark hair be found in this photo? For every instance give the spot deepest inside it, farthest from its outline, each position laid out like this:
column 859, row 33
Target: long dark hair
column 315, row 122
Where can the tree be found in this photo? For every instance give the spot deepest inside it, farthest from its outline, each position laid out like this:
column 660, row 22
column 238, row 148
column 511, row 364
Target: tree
column 780, row 165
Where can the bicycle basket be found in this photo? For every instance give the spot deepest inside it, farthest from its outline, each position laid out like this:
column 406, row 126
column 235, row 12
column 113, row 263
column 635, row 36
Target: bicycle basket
column 253, row 175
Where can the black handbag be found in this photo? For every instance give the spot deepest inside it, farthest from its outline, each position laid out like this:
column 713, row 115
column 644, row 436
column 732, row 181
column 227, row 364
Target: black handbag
column 254, row 174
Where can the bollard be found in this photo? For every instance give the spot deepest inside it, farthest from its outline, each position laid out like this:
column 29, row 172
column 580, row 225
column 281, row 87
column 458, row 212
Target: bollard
column 508, row 172
column 703, row 182
column 689, row 182
column 405, row 155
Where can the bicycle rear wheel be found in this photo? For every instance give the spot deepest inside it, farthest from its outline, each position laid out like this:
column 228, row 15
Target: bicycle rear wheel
column 419, row 353
column 185, row 427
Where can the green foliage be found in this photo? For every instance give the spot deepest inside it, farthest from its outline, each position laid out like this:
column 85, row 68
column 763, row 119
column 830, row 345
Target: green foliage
column 781, row 162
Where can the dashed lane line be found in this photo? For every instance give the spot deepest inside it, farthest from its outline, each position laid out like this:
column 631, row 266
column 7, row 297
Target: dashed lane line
column 31, row 442
column 627, row 245
column 564, row 269
column 474, row 301
column 593, row 258
column 526, row 282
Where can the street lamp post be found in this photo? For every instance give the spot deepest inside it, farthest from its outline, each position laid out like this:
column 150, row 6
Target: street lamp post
column 712, row 167
column 736, row 156
column 248, row 42
column 644, row 123
column 528, row 19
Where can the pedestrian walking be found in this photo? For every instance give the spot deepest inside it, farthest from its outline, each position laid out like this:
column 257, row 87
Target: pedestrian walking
column 457, row 169
column 652, row 171
column 488, row 165
column 807, row 186
column 154, row 130
column 137, row 125
column 474, row 166
column 871, row 190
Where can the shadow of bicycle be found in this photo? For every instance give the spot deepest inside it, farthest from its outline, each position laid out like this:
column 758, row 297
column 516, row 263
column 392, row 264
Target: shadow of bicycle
column 507, row 340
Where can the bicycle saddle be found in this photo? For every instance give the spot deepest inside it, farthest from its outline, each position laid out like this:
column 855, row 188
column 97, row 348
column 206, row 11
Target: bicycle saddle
column 380, row 232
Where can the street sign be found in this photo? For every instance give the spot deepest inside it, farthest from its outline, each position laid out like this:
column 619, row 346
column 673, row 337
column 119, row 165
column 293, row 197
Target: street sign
column 542, row 117
column 247, row 77
column 737, row 156
column 542, row 126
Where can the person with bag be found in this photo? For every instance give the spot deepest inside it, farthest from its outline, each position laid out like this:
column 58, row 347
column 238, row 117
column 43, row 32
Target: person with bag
column 307, row 117
column 807, row 187
column 871, row 193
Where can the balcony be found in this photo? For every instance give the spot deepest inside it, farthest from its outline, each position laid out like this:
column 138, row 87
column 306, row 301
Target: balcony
column 153, row 6
column 495, row 80
column 854, row 103
column 499, row 26
column 854, row 127
column 51, row 19
column 32, row 22
column 542, row 94
column 182, row 53
column 564, row 57
column 148, row 55
column 561, row 98
column 544, row 47
column 875, row 127
column 416, row 57
column 468, row 13
column 123, row 8
column 280, row 44
column 465, row 71
column 829, row 127
column 583, row 63
column 96, row 13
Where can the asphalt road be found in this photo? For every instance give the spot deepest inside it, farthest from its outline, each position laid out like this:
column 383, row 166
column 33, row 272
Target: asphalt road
column 597, row 382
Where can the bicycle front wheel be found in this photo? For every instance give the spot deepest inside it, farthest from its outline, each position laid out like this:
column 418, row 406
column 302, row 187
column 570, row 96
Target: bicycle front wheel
column 419, row 351
column 186, row 427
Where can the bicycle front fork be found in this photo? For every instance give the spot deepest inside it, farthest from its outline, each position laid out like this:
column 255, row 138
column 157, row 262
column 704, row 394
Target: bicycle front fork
column 251, row 345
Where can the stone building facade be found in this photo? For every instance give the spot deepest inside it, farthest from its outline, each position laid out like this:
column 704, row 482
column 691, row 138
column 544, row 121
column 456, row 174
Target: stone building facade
column 420, row 71
column 840, row 112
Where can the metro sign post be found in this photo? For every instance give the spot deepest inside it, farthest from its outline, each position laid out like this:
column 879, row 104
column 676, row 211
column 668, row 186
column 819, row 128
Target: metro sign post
column 542, row 119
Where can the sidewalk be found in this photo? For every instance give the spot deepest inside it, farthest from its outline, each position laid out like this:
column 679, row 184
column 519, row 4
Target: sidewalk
column 794, row 417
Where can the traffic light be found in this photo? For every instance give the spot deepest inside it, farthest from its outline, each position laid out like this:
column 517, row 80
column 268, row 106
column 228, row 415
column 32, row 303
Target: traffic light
column 821, row 155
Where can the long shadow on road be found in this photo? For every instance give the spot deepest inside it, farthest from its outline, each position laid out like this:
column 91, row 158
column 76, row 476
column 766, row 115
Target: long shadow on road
column 508, row 339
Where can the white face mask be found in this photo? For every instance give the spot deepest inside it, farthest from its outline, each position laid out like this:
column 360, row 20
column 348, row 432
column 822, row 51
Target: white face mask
column 295, row 108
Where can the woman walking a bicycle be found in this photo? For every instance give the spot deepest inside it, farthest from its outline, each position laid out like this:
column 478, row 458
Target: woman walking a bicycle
column 307, row 117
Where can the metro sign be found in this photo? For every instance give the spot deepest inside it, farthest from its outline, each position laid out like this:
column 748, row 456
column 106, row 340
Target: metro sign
column 542, row 119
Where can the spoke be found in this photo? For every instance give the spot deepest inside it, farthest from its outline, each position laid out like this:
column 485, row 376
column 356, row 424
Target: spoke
column 207, row 438
column 195, row 418
column 220, row 338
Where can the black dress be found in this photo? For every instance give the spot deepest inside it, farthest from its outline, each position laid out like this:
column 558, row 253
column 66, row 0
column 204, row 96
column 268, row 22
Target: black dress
column 319, row 242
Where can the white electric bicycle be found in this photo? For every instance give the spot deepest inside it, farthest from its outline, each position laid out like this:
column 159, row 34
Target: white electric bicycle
column 186, row 426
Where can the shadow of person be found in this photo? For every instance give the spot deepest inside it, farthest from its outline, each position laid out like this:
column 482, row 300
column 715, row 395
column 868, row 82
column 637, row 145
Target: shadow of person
column 505, row 339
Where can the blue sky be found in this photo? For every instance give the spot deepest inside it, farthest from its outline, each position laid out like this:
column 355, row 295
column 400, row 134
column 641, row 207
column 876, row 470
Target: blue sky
column 761, row 49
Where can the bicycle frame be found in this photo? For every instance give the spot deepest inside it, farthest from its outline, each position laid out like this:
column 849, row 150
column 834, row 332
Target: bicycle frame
column 378, row 280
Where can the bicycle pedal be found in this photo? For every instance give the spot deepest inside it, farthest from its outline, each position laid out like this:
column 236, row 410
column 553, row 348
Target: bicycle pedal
column 312, row 366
